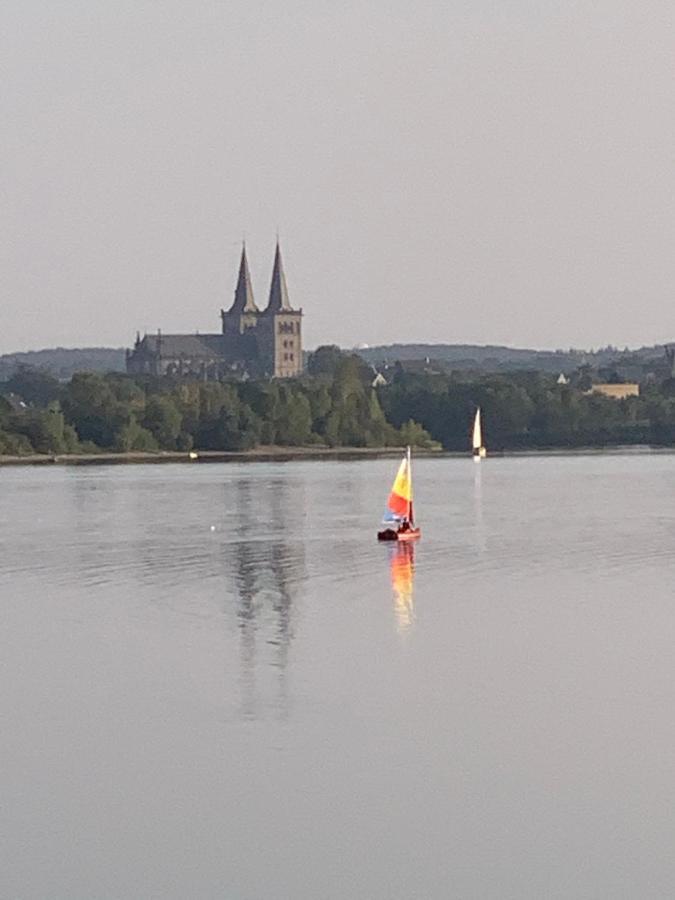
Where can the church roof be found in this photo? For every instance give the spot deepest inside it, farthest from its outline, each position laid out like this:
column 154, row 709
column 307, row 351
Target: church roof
column 195, row 346
column 278, row 291
column 199, row 346
column 243, row 294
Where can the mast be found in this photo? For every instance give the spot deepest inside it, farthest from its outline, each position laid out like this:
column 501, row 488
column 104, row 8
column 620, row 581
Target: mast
column 410, row 502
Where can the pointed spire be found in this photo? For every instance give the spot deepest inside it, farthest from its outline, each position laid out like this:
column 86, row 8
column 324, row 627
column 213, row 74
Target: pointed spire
column 278, row 291
column 243, row 294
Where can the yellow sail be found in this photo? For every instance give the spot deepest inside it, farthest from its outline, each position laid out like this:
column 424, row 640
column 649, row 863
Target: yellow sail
column 399, row 504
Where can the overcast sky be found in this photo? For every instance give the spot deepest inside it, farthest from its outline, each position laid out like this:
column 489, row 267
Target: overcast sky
column 488, row 171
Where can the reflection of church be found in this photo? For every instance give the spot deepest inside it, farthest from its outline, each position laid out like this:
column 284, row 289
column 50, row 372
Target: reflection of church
column 253, row 342
column 265, row 571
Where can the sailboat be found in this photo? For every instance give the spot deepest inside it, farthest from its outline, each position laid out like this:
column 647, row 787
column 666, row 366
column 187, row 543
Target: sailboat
column 398, row 516
column 479, row 451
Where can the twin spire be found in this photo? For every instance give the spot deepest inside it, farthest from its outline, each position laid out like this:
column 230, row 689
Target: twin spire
column 244, row 301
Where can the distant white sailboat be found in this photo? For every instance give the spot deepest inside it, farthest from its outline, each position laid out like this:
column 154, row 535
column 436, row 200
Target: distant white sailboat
column 479, row 451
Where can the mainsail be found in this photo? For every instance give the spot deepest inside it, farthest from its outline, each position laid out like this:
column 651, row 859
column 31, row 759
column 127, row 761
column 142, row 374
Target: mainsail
column 479, row 451
column 400, row 502
column 477, row 434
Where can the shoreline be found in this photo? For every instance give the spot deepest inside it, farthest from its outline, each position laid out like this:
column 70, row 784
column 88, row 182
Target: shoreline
column 296, row 454
column 259, row 454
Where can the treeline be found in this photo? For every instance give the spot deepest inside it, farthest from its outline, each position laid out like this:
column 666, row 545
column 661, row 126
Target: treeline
column 335, row 406
column 530, row 410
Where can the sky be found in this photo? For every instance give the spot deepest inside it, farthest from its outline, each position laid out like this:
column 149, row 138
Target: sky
column 479, row 171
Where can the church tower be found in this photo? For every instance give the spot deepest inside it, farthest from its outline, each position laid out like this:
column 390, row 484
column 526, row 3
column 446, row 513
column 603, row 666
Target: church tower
column 253, row 343
column 280, row 328
column 243, row 314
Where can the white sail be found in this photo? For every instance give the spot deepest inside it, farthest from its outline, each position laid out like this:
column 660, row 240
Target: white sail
column 479, row 451
column 477, row 435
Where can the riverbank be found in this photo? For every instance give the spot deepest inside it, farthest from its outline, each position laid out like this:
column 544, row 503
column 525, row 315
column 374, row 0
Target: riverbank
column 259, row 454
column 290, row 454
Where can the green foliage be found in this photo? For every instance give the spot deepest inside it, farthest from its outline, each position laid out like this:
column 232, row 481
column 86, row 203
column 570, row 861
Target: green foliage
column 413, row 435
column 163, row 420
column 90, row 405
column 132, row 436
column 35, row 386
column 293, row 422
column 324, row 360
column 14, row 444
column 46, row 430
column 527, row 409
column 335, row 405
column 225, row 422
column 125, row 414
column 5, row 411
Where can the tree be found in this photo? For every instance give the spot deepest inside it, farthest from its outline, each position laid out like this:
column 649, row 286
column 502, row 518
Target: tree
column 132, row 436
column 294, row 418
column 325, row 360
column 46, row 430
column 163, row 420
column 320, row 406
column 413, row 435
column 35, row 386
column 91, row 407
column 12, row 444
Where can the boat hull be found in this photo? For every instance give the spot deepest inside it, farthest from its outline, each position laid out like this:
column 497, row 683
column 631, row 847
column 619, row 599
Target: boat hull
column 401, row 536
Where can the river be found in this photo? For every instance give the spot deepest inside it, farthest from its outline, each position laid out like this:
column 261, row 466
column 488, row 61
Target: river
column 216, row 684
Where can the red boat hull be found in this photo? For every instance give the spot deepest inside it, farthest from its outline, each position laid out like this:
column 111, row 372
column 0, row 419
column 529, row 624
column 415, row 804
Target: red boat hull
column 390, row 535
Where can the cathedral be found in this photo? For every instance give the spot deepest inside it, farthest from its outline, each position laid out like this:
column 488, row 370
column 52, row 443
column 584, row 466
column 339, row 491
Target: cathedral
column 253, row 342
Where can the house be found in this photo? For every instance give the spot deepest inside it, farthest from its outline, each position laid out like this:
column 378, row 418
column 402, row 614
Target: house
column 616, row 391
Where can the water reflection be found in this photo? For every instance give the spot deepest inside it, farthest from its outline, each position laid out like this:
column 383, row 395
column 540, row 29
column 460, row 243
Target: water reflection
column 267, row 568
column 402, row 567
column 479, row 524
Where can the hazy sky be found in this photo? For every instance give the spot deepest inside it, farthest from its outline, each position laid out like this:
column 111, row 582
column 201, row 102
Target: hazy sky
column 489, row 171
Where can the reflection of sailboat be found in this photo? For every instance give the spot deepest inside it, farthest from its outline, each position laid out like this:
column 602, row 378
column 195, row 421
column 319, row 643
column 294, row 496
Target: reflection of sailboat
column 479, row 451
column 398, row 516
column 401, row 567
column 479, row 525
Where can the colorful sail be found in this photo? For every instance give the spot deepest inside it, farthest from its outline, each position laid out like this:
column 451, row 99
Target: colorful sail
column 400, row 502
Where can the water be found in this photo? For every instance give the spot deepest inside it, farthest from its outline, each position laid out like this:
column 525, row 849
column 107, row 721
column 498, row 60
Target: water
column 215, row 683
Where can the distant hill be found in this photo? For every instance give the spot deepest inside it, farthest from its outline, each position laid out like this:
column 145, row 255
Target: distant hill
column 500, row 359
column 63, row 363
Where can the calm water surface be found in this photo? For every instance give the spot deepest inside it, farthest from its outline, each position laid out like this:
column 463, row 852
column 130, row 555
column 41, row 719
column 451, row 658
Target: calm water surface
column 214, row 683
